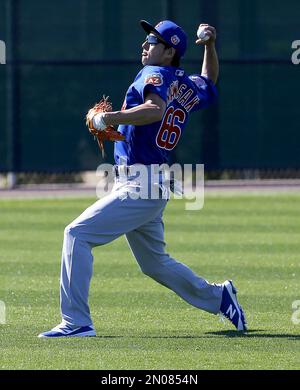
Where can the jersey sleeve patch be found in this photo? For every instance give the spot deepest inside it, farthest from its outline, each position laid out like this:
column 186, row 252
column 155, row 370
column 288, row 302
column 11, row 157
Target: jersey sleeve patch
column 206, row 90
column 154, row 79
column 198, row 81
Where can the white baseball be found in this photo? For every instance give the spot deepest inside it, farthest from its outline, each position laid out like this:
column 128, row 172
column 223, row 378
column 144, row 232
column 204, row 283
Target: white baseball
column 201, row 34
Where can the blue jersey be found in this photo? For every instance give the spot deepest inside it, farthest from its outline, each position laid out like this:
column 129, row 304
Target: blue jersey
column 183, row 94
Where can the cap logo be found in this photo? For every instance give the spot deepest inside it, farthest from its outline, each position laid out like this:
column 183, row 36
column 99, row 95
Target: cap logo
column 175, row 40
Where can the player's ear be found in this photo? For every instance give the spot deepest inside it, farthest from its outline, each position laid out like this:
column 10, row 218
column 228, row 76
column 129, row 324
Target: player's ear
column 171, row 52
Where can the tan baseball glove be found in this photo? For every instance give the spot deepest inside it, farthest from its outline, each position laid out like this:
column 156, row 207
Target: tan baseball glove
column 102, row 132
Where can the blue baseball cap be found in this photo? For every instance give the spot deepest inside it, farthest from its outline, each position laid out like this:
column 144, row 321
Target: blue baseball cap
column 169, row 32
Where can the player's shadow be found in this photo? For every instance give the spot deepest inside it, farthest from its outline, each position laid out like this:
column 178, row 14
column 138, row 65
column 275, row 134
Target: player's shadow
column 258, row 333
column 254, row 333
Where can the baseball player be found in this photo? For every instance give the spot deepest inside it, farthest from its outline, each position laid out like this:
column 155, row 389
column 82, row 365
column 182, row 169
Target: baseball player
column 153, row 117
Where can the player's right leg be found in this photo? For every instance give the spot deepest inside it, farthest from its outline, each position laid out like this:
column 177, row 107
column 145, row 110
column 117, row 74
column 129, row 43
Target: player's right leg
column 148, row 246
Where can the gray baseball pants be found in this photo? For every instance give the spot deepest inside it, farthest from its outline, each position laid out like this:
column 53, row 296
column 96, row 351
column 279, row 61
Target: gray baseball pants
column 141, row 221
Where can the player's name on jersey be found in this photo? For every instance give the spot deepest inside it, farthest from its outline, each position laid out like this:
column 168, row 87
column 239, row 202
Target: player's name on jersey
column 185, row 96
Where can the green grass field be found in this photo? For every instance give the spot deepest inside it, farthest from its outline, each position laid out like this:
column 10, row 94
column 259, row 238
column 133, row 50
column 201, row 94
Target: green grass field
column 253, row 239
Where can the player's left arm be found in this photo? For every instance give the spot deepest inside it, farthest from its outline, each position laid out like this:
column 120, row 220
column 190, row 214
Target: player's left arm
column 152, row 110
column 210, row 66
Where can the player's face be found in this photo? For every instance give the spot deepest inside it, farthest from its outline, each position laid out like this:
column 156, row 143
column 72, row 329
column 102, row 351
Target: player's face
column 154, row 52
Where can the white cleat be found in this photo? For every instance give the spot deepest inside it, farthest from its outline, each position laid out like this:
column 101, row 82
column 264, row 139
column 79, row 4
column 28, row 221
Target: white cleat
column 230, row 307
column 63, row 330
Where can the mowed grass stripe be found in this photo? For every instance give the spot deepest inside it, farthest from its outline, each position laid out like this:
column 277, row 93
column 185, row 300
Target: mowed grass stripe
column 253, row 239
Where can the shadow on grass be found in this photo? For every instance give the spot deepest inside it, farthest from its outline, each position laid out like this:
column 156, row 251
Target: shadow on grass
column 227, row 333
column 254, row 333
column 151, row 337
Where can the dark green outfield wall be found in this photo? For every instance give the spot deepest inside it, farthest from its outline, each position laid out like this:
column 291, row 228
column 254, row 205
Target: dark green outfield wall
column 62, row 55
